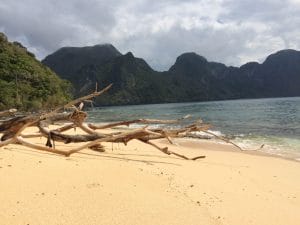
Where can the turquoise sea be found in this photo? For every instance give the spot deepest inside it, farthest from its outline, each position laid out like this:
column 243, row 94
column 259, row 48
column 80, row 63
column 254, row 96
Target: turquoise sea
column 274, row 122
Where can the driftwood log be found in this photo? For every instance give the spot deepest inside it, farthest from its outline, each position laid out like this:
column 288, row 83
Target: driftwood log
column 9, row 112
column 12, row 129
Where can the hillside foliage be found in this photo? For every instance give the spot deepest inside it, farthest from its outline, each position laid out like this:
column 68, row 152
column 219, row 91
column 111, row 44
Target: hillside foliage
column 191, row 78
column 25, row 83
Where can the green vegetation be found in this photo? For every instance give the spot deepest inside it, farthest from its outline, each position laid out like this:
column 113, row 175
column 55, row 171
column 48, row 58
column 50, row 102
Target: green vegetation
column 25, row 83
column 191, row 78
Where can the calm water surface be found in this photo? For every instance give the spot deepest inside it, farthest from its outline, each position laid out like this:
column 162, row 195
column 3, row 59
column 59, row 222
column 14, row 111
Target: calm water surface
column 274, row 122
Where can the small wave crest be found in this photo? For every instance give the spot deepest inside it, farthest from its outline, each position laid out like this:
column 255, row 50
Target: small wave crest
column 274, row 145
column 280, row 146
column 206, row 135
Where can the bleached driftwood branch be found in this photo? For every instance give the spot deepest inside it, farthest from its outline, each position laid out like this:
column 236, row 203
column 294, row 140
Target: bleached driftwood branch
column 136, row 121
column 12, row 130
column 8, row 112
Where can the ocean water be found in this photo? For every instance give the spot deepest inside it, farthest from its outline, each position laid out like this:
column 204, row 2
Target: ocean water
column 274, row 122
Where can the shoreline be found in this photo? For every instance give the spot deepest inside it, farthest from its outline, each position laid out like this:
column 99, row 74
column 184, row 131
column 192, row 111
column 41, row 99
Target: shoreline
column 229, row 148
column 250, row 148
column 137, row 184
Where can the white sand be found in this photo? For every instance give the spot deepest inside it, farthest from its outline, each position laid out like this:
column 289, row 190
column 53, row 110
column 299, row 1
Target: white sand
column 137, row 184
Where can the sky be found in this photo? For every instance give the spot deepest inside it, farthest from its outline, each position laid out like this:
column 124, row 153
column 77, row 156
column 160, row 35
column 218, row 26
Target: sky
column 229, row 31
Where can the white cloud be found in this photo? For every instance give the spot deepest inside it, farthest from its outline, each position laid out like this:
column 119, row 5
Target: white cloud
column 228, row 31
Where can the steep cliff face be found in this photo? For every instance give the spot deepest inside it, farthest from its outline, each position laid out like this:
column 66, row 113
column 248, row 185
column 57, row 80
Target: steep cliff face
column 191, row 78
column 280, row 74
column 26, row 83
column 68, row 61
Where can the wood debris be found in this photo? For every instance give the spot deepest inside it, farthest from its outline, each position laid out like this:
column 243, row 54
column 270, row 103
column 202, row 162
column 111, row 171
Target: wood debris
column 11, row 130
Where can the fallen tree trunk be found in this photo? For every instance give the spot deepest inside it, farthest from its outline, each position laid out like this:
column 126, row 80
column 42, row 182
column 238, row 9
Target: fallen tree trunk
column 11, row 127
column 137, row 121
column 9, row 112
column 12, row 130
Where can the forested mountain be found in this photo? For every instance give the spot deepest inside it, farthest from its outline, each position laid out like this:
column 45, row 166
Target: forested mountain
column 25, row 83
column 191, row 78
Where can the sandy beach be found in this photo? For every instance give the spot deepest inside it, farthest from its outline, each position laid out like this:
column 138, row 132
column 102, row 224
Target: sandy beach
column 136, row 184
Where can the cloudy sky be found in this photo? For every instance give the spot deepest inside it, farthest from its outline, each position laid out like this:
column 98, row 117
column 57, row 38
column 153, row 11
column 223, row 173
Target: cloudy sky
column 228, row 31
